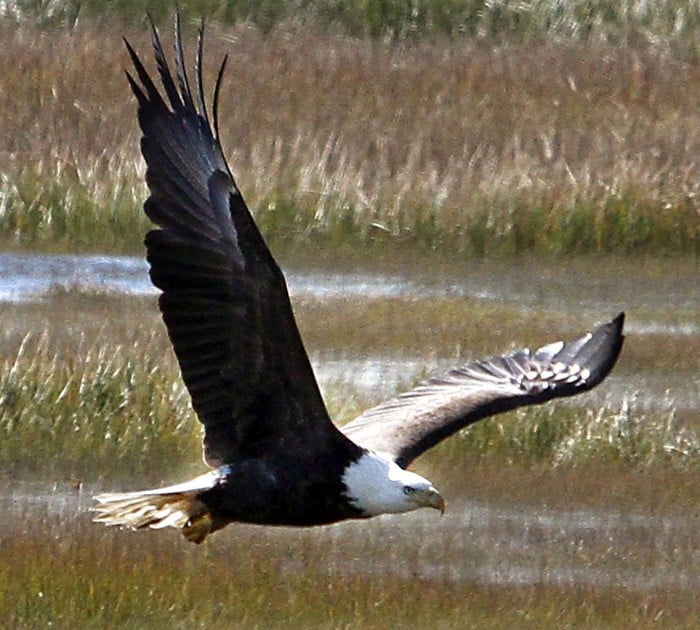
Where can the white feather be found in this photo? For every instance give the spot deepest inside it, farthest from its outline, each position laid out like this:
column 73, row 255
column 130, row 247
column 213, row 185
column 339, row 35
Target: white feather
column 172, row 506
column 376, row 485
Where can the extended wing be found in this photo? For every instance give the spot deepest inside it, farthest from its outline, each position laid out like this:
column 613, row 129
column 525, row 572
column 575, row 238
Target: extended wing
column 224, row 300
column 410, row 424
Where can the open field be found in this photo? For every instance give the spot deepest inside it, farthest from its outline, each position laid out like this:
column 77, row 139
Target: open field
column 582, row 513
column 458, row 147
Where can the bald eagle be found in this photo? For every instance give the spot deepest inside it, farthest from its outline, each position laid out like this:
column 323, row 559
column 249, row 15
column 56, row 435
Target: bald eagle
column 276, row 457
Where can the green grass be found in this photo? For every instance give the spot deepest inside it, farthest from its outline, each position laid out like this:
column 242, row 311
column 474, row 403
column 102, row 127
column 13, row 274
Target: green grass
column 105, row 409
column 564, row 436
column 114, row 409
column 498, row 226
column 633, row 22
column 65, row 216
column 89, row 387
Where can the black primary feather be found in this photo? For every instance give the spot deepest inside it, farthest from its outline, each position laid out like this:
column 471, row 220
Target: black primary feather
column 224, row 299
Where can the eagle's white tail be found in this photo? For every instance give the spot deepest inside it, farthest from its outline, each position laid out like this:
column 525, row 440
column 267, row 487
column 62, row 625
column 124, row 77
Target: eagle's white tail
column 173, row 506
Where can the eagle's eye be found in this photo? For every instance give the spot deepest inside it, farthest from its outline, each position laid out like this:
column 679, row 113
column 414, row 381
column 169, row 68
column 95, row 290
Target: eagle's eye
column 408, row 489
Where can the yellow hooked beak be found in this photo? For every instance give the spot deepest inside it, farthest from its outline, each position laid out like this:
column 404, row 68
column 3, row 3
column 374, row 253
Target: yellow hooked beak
column 430, row 498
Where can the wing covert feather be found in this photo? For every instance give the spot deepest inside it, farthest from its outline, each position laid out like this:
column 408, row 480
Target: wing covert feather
column 406, row 426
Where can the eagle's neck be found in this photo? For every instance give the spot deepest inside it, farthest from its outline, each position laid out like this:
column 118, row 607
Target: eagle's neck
column 376, row 485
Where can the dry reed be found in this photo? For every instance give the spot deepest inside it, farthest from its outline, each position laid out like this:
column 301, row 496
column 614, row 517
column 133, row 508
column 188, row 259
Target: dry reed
column 459, row 147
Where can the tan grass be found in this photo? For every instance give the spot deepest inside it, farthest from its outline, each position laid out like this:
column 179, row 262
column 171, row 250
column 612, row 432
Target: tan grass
column 548, row 147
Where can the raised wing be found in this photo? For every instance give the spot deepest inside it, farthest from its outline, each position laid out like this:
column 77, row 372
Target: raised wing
column 224, row 300
column 410, row 424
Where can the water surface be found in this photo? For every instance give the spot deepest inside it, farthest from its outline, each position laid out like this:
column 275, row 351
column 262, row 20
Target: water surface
column 533, row 287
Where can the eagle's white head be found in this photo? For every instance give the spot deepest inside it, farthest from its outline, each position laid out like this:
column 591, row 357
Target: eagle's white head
column 377, row 485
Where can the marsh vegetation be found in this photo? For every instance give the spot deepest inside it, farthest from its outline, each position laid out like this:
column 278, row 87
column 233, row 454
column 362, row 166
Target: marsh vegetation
column 439, row 169
column 580, row 512
column 553, row 146
column 485, row 564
